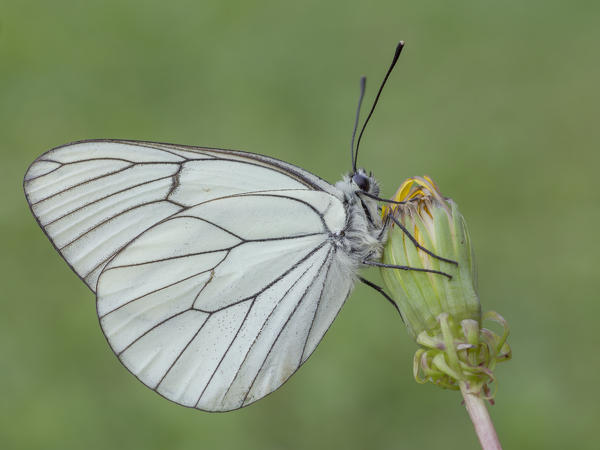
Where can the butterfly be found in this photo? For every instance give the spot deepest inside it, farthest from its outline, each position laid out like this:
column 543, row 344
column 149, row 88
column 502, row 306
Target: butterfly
column 216, row 272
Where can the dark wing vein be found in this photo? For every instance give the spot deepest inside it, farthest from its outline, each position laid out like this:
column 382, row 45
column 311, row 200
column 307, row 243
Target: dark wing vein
column 28, row 180
column 108, row 196
column 148, row 331
column 176, row 180
column 154, row 291
column 181, row 353
column 170, row 258
column 312, row 322
column 83, row 183
column 188, row 216
column 316, row 211
column 110, row 219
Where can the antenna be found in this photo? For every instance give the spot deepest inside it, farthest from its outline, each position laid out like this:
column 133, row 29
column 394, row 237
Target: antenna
column 363, row 82
column 399, row 48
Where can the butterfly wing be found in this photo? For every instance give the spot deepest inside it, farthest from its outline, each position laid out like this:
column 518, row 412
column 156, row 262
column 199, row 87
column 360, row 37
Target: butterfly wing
column 215, row 271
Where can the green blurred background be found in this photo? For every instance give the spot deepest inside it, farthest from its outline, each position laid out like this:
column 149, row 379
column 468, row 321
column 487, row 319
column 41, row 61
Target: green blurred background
column 497, row 101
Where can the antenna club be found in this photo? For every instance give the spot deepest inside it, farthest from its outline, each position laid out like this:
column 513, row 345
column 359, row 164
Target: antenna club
column 399, row 48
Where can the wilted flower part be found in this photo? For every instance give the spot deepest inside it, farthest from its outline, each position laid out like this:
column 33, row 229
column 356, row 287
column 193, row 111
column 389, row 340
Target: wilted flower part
column 443, row 315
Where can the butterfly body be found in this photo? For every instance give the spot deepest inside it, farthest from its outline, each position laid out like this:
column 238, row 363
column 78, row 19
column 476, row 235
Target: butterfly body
column 365, row 232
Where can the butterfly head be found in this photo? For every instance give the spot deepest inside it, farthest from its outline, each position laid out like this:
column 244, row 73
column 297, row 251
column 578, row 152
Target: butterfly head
column 365, row 182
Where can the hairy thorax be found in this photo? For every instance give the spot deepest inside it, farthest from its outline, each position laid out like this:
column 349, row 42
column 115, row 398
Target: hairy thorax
column 363, row 237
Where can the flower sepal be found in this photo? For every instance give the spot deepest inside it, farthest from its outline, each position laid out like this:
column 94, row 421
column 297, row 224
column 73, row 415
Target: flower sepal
column 462, row 355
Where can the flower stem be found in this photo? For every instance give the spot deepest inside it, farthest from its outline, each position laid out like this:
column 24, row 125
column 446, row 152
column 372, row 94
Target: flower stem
column 481, row 420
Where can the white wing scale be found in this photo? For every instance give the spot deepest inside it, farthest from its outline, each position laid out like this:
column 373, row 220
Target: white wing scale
column 215, row 272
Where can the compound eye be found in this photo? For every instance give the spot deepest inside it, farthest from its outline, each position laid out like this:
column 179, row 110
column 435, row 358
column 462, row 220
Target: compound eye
column 361, row 181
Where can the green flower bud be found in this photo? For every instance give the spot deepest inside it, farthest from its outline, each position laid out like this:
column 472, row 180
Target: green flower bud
column 442, row 313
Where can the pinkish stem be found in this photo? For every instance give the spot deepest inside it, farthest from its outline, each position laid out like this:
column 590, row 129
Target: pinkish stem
column 481, row 420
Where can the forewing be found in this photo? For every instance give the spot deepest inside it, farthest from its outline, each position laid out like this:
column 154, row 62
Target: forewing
column 94, row 197
column 216, row 306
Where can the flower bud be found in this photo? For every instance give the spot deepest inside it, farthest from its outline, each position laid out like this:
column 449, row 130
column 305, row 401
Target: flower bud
column 441, row 311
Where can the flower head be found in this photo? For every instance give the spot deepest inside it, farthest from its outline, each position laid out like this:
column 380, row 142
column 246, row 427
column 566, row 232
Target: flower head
column 442, row 313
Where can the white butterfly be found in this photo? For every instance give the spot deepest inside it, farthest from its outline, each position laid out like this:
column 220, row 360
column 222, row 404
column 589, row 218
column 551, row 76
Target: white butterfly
column 217, row 272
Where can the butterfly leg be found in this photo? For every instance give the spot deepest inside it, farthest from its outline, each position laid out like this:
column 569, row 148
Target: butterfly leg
column 416, row 244
column 382, row 292
column 415, row 269
column 386, row 223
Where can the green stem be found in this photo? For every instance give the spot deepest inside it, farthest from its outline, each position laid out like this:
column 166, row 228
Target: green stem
column 481, row 420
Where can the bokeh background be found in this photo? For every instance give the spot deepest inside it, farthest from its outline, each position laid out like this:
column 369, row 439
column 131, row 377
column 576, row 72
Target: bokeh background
column 497, row 101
